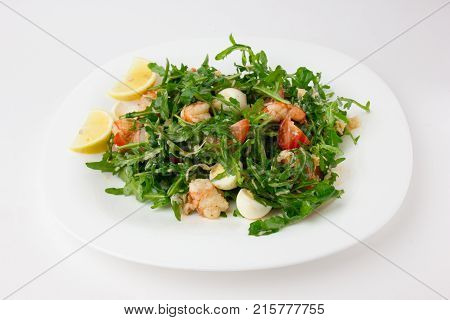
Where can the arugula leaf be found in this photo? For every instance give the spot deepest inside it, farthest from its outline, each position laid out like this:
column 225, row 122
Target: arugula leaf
column 104, row 165
column 234, row 47
column 296, row 208
column 114, row 191
column 176, row 204
column 349, row 103
column 303, row 77
column 272, row 94
column 156, row 68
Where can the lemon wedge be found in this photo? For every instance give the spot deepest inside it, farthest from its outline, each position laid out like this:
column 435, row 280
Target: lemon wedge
column 121, row 108
column 138, row 79
column 94, row 134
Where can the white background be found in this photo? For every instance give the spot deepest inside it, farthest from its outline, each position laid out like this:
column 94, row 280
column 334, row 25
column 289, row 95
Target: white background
column 36, row 73
column 332, row 310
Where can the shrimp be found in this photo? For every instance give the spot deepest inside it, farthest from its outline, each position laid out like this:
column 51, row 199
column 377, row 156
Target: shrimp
column 146, row 99
column 127, row 131
column 297, row 113
column 195, row 112
column 278, row 111
column 205, row 198
column 124, row 126
column 140, row 136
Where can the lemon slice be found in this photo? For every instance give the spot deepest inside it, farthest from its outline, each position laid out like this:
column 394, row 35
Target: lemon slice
column 121, row 108
column 94, row 134
column 138, row 79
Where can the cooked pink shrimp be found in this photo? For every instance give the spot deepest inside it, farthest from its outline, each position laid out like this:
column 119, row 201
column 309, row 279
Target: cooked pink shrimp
column 279, row 110
column 195, row 112
column 205, row 198
column 140, row 136
column 146, row 99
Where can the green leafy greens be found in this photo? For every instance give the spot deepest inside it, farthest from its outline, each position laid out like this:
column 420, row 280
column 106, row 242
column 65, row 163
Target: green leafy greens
column 175, row 152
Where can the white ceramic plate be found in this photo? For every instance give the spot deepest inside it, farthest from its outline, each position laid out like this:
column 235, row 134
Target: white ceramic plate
column 375, row 175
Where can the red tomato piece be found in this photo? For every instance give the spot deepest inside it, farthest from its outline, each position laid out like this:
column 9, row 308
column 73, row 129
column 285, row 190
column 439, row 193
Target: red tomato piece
column 240, row 130
column 290, row 136
column 119, row 139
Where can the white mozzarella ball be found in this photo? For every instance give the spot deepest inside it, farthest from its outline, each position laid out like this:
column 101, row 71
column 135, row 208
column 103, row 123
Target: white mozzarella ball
column 226, row 183
column 231, row 93
column 249, row 207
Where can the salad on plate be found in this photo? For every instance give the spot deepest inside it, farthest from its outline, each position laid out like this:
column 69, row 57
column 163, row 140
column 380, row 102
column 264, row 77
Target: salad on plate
column 196, row 139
